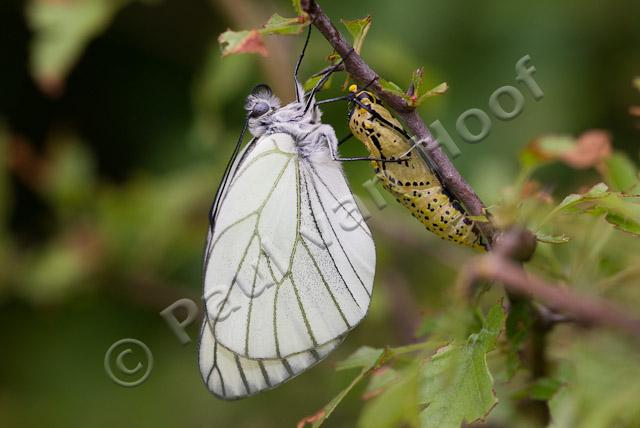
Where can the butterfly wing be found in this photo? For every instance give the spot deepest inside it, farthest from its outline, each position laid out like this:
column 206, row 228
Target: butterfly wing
column 287, row 271
column 288, row 268
column 230, row 376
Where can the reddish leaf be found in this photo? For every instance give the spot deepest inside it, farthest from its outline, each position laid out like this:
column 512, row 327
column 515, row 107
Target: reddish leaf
column 235, row 42
column 589, row 150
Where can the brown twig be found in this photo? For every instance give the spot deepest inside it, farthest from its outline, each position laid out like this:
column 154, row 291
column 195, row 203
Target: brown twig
column 364, row 75
column 585, row 310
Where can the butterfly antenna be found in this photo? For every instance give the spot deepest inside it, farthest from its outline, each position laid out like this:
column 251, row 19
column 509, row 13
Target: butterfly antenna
column 324, row 79
column 331, row 100
column 295, row 71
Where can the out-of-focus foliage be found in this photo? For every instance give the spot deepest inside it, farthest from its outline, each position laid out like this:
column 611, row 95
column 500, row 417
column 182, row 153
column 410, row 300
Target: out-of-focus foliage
column 62, row 30
column 104, row 194
column 590, row 399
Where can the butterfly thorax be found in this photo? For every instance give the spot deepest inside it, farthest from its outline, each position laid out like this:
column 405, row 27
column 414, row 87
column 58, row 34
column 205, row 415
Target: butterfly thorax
column 296, row 119
column 291, row 119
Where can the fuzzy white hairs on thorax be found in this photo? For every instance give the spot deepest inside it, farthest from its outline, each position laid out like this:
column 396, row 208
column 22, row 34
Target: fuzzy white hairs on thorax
column 266, row 117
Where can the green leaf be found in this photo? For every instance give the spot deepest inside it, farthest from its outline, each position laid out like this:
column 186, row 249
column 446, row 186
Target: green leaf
column 441, row 89
column 298, row 7
column 61, row 32
column 417, row 97
column 598, row 191
column 551, row 239
column 367, row 358
column 554, row 146
column 391, row 87
column 71, row 180
column 427, row 326
column 313, row 81
column 284, row 26
column 621, row 173
column 457, row 386
column 379, row 380
column 251, row 41
column 417, row 79
column 364, row 357
column 248, row 41
column 562, row 409
column 622, row 211
column 601, row 386
column 636, row 83
column 396, row 406
column 544, row 388
column 358, row 28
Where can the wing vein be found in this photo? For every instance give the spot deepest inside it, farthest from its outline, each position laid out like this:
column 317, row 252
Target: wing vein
column 326, row 285
column 303, row 312
column 324, row 184
column 265, row 375
column 242, row 374
column 253, row 289
column 324, row 210
column 246, row 250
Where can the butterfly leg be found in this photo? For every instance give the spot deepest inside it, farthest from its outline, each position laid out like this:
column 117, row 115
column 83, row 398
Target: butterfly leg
column 345, row 139
column 326, row 135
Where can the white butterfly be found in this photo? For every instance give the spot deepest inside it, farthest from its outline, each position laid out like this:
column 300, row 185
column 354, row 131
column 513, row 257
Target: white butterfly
column 289, row 261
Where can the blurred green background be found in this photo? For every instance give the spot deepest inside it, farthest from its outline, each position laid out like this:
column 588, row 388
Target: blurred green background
column 117, row 118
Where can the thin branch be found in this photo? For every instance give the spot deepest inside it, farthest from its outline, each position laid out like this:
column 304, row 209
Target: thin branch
column 363, row 74
column 582, row 309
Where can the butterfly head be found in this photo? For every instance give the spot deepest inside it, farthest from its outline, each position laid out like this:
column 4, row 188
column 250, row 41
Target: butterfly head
column 266, row 116
column 261, row 102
